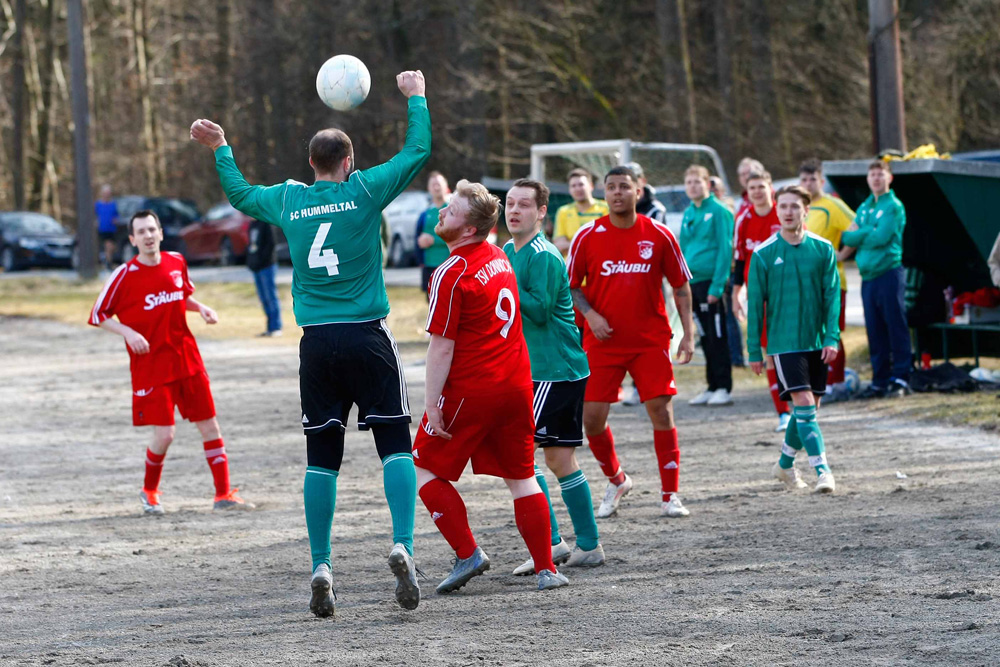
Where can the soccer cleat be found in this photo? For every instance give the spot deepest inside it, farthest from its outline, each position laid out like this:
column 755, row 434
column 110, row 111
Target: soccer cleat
column 151, row 502
column 674, row 509
column 871, row 391
column 789, row 477
column 464, row 569
column 631, row 396
column 324, row 599
column 720, row 397
column 898, row 389
column 407, row 589
column 232, row 501
column 825, row 483
column 581, row 558
column 783, row 420
column 702, row 398
column 560, row 554
column 548, row 580
column 613, row 495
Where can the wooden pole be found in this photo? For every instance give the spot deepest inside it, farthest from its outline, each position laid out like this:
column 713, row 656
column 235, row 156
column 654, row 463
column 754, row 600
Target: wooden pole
column 20, row 17
column 886, row 76
column 86, row 234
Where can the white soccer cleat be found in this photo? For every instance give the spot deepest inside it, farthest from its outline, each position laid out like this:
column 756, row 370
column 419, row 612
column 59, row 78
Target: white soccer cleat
column 581, row 558
column 323, row 601
column 631, row 396
column 613, row 495
column 783, row 420
column 720, row 397
column 560, row 554
column 789, row 477
column 702, row 399
column 674, row 509
column 548, row 580
column 825, row 483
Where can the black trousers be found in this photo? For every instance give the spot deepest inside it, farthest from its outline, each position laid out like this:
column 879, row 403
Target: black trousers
column 714, row 337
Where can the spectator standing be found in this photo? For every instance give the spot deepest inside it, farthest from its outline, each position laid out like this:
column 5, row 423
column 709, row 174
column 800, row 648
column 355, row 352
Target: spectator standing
column 583, row 209
column 877, row 233
column 263, row 263
column 648, row 205
column 431, row 250
column 107, row 224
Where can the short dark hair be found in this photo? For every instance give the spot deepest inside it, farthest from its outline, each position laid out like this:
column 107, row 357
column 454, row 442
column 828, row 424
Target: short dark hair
column 879, row 164
column 796, row 190
column 144, row 213
column 621, row 170
column 541, row 190
column 328, row 147
column 759, row 176
column 579, row 172
column 811, row 166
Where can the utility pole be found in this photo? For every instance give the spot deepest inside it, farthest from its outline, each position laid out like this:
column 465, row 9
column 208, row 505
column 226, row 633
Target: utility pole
column 885, row 74
column 86, row 236
column 20, row 18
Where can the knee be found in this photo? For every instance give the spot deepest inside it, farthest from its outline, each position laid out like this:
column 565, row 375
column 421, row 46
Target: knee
column 561, row 460
column 519, row 488
column 209, row 429
column 162, row 438
column 594, row 423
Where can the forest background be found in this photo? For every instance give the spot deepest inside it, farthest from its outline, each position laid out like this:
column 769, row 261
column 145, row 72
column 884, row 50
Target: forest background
column 780, row 80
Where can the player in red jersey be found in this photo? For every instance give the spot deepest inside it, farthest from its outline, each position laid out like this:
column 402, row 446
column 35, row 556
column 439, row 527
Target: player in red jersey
column 759, row 223
column 150, row 296
column 616, row 268
column 479, row 395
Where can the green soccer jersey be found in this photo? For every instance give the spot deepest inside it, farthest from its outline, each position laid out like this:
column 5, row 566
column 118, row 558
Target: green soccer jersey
column 879, row 236
column 333, row 229
column 547, row 312
column 798, row 288
column 437, row 253
column 707, row 243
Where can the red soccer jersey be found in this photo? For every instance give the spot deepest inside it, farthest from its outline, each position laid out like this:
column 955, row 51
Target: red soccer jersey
column 754, row 230
column 621, row 274
column 474, row 302
column 152, row 300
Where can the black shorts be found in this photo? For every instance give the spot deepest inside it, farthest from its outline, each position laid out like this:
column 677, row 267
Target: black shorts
column 559, row 413
column 425, row 277
column 800, row 371
column 341, row 365
column 105, row 236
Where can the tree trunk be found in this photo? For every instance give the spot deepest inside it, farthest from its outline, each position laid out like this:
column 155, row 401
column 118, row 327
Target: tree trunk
column 771, row 118
column 149, row 133
column 46, row 81
column 223, row 83
column 17, row 171
column 678, row 77
column 724, row 69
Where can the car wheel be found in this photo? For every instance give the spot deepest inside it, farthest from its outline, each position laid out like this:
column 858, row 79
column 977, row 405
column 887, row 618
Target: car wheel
column 226, row 256
column 127, row 253
column 8, row 261
column 397, row 253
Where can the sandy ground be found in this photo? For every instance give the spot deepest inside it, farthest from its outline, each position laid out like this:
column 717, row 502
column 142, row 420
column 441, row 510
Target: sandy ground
column 887, row 571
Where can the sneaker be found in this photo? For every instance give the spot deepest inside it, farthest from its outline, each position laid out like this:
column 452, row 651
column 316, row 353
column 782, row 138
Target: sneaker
column 631, row 396
column 783, row 420
column 407, row 589
column 720, row 397
column 825, row 483
column 789, row 477
column 150, row 502
column 560, row 554
column 232, row 501
column 463, row 570
column 324, row 599
column 702, row 399
column 582, row 558
column 674, row 509
column 613, row 495
column 871, row 391
column 898, row 389
column 548, row 580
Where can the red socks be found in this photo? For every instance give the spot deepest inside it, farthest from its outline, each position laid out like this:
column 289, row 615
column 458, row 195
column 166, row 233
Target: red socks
column 154, row 467
column 532, row 516
column 668, row 460
column 779, row 405
column 603, row 447
column 215, row 454
column 449, row 515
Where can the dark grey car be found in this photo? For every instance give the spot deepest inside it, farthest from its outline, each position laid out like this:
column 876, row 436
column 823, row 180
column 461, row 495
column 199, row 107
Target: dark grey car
column 33, row 239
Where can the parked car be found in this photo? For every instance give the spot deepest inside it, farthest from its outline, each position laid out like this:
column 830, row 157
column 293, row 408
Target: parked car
column 33, row 239
column 222, row 236
column 399, row 223
column 174, row 215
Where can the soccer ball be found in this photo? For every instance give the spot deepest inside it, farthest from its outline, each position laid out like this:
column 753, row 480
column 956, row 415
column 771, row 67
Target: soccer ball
column 343, row 82
column 852, row 382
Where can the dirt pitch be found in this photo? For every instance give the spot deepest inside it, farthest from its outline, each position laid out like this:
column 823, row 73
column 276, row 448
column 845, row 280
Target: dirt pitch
column 889, row 571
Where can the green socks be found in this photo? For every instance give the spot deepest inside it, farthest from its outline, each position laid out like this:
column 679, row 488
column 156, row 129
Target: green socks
column 540, row 478
column 400, row 481
column 812, row 438
column 576, row 495
column 791, row 446
column 320, row 494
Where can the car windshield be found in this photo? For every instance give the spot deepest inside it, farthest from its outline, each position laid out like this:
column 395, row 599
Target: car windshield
column 33, row 223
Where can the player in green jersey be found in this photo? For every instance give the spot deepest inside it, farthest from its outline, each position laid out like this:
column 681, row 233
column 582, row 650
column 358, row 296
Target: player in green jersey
column 794, row 281
column 559, row 369
column 347, row 354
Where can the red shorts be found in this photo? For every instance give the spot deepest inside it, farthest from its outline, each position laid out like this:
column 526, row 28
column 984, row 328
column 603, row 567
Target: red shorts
column 650, row 368
column 497, row 433
column 155, row 406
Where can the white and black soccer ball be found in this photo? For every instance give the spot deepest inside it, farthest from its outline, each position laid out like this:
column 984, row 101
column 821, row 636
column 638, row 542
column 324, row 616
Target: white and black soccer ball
column 852, row 382
column 343, row 82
